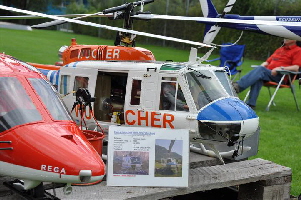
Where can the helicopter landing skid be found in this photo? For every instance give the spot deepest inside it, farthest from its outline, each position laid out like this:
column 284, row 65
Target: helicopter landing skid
column 38, row 193
column 202, row 150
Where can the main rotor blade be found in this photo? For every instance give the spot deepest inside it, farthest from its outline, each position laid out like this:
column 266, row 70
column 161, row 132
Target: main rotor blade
column 217, row 20
column 39, row 17
column 58, row 22
column 105, row 26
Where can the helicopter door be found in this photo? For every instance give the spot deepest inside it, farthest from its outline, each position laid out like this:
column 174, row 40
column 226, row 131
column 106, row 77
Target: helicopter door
column 142, row 90
column 73, row 78
column 173, row 106
column 149, row 96
column 141, row 97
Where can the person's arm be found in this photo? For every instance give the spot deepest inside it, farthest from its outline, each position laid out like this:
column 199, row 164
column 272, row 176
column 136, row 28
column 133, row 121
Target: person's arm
column 175, row 102
column 264, row 64
column 293, row 68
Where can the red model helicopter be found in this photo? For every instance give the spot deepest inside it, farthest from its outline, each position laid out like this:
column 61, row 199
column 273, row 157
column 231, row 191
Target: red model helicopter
column 39, row 142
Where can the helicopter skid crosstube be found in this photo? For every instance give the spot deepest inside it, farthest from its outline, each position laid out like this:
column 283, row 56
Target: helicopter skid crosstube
column 215, row 153
column 220, row 150
column 37, row 194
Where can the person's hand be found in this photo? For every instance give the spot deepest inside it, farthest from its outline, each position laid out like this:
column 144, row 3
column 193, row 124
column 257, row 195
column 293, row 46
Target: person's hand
column 185, row 107
column 274, row 71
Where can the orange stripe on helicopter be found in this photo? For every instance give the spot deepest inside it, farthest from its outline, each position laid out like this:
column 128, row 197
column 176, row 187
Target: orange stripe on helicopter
column 47, row 67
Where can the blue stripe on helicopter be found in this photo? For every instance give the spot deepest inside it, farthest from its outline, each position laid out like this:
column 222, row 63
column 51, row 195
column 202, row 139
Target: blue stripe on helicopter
column 266, row 18
column 74, row 64
column 64, row 84
column 71, row 64
column 294, row 29
column 228, row 109
column 52, row 75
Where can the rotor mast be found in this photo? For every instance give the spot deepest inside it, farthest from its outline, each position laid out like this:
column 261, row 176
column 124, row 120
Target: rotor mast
column 125, row 12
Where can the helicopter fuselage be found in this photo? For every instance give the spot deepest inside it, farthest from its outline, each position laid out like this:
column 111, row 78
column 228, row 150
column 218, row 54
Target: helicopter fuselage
column 133, row 94
column 39, row 141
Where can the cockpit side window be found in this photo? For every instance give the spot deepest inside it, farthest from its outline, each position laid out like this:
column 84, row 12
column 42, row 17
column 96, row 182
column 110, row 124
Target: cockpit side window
column 16, row 107
column 80, row 82
column 172, row 97
column 223, row 78
column 50, row 99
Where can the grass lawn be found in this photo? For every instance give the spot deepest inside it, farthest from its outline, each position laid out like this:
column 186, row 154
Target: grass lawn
column 280, row 137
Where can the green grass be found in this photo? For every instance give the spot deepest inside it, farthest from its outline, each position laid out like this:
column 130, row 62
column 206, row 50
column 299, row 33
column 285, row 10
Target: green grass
column 42, row 46
column 280, row 137
column 280, row 130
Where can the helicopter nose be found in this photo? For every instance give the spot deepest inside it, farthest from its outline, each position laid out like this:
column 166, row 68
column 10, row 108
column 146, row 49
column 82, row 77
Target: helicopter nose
column 61, row 150
column 230, row 113
column 228, row 109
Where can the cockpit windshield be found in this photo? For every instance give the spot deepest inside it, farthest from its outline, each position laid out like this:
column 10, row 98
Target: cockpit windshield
column 16, row 107
column 50, row 99
column 205, row 87
column 223, row 78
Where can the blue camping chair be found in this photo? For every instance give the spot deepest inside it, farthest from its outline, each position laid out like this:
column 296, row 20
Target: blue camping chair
column 231, row 57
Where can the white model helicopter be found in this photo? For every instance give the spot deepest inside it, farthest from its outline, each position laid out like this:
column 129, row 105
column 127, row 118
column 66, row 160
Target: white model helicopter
column 282, row 26
column 134, row 92
column 285, row 31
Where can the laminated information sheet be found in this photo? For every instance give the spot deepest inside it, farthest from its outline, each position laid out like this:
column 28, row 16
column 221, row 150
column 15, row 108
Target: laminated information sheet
column 141, row 156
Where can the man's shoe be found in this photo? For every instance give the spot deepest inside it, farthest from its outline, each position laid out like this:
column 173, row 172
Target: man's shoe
column 253, row 107
column 236, row 87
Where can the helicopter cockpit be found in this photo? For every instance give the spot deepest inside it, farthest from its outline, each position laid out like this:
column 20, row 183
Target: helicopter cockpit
column 18, row 108
column 221, row 115
column 204, row 87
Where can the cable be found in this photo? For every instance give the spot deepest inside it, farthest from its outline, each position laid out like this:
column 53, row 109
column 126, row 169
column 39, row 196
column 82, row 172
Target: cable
column 229, row 44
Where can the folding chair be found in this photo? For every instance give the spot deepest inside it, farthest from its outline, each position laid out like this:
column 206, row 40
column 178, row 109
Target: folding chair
column 231, row 57
column 286, row 81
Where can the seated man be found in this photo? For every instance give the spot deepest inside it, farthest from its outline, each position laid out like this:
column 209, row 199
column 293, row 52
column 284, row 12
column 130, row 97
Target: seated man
column 287, row 57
